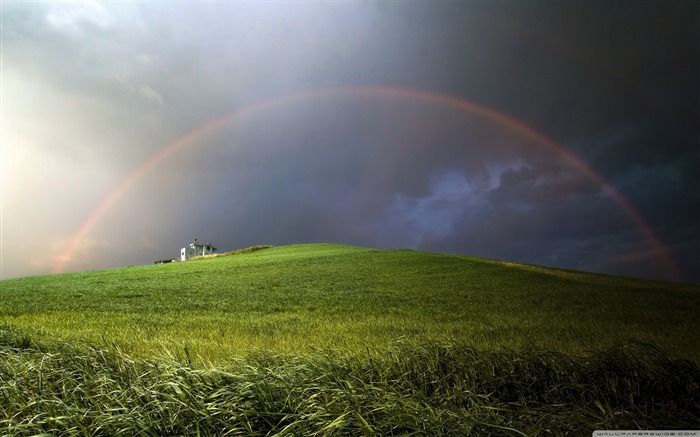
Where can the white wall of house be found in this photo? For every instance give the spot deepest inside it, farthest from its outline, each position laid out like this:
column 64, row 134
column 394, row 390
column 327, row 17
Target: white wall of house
column 195, row 249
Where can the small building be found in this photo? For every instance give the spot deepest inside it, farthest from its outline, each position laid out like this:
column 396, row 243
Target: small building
column 196, row 249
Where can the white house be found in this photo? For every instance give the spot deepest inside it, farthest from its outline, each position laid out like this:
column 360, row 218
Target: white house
column 196, row 249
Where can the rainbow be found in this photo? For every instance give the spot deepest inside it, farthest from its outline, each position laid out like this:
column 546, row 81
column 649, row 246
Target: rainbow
column 523, row 129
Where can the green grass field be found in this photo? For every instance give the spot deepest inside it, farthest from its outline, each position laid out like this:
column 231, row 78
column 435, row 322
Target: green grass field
column 298, row 299
column 335, row 339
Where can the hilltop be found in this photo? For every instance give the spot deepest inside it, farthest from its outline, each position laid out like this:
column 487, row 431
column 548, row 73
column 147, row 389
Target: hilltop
column 300, row 298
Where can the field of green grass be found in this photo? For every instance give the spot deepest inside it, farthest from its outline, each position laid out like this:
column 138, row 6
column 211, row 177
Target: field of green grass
column 298, row 299
column 332, row 339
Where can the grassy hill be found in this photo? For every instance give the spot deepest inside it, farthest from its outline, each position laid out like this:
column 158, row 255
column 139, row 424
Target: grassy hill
column 301, row 298
column 337, row 339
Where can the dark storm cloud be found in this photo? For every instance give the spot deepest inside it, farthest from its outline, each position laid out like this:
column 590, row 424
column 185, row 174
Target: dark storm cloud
column 113, row 83
column 657, row 170
column 571, row 69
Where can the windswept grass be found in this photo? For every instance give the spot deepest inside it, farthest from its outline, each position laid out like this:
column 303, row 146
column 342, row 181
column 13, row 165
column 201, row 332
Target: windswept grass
column 431, row 389
column 336, row 340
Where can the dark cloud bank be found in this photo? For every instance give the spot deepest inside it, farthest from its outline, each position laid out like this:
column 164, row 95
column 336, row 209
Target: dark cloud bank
column 104, row 88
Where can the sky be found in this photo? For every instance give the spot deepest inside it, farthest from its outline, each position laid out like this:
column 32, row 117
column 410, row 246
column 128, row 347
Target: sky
column 562, row 134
